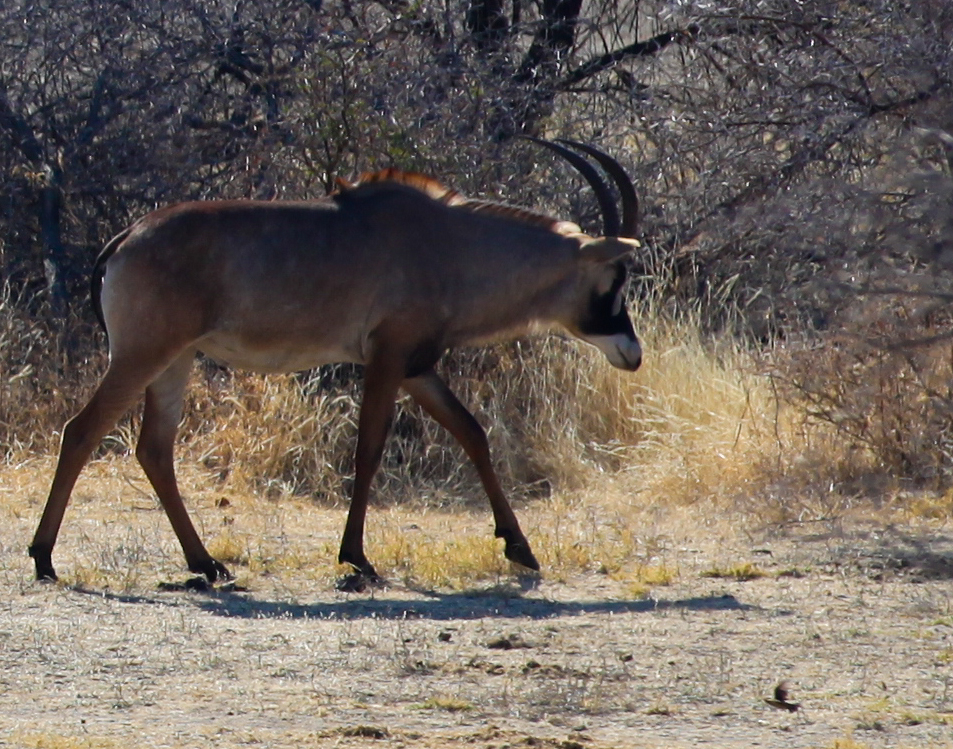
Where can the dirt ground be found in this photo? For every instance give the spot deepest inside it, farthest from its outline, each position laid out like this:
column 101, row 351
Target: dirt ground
column 860, row 620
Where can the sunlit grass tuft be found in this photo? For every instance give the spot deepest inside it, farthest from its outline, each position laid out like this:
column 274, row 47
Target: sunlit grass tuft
column 639, row 579
column 740, row 572
column 848, row 742
column 453, row 561
column 42, row 740
column 445, row 703
column 604, row 467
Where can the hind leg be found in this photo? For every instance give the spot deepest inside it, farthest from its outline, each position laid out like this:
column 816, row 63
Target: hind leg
column 160, row 421
column 116, row 394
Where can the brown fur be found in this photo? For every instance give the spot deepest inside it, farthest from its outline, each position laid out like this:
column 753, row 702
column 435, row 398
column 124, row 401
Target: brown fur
column 388, row 273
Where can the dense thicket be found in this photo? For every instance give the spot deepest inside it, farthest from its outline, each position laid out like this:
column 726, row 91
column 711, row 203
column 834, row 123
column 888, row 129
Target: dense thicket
column 792, row 157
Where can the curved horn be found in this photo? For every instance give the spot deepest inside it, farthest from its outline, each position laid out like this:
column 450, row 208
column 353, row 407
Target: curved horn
column 610, row 213
column 630, row 201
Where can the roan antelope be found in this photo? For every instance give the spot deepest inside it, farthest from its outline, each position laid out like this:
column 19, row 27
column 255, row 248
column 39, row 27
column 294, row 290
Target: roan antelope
column 389, row 273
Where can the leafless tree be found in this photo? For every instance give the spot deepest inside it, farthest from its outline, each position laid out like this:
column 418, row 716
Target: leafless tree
column 770, row 139
column 793, row 157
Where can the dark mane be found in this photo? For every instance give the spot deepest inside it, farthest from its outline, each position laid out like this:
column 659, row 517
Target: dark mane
column 443, row 194
column 421, row 182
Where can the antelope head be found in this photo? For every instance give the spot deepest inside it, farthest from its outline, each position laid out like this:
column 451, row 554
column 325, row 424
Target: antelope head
column 600, row 316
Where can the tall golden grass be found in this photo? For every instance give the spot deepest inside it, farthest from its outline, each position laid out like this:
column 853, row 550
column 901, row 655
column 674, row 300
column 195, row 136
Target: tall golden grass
column 694, row 422
column 38, row 388
column 590, row 455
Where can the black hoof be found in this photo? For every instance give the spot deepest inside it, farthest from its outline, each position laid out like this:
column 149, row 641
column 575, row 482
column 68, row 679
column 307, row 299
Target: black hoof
column 212, row 569
column 359, row 581
column 43, row 564
column 518, row 551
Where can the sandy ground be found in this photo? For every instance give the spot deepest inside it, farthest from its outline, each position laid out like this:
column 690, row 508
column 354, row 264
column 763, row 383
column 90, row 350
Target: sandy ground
column 859, row 619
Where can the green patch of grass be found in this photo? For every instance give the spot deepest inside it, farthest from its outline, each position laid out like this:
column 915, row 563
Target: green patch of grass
column 916, row 718
column 740, row 572
column 660, row 708
column 447, row 704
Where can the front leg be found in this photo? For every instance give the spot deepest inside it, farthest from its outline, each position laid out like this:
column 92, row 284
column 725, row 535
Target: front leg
column 436, row 398
column 382, row 377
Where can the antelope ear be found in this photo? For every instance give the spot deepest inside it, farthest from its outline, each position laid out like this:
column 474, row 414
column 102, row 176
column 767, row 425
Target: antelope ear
column 603, row 250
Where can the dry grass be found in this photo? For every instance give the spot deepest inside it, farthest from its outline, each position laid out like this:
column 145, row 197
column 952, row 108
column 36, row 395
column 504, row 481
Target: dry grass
column 37, row 388
column 443, row 702
column 881, row 384
column 742, row 572
column 40, row 740
column 602, row 465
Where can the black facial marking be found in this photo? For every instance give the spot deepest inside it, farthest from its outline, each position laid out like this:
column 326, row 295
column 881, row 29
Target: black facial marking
column 600, row 317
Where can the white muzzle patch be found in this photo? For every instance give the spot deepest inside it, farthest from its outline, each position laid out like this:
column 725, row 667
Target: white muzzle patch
column 621, row 350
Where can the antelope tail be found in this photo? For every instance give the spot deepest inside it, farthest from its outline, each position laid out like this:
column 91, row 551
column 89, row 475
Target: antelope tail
column 99, row 272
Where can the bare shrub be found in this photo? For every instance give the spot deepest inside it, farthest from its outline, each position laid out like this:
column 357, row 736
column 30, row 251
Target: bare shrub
column 888, row 398
column 39, row 385
column 788, row 157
